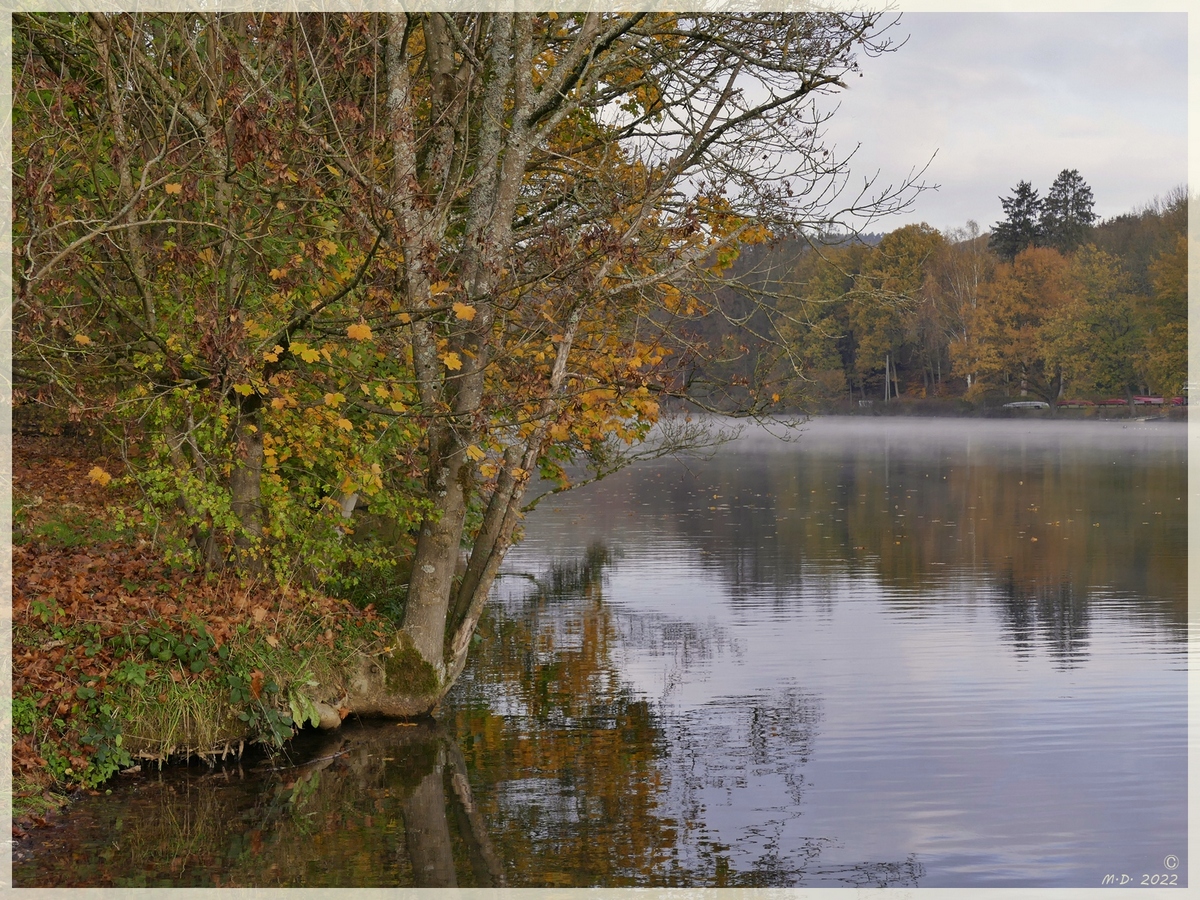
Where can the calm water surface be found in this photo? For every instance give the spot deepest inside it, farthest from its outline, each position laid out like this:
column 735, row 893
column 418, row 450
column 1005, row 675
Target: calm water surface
column 893, row 653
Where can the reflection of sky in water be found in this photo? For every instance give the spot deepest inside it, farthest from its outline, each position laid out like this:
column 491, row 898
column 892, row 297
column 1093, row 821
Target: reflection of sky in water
column 822, row 718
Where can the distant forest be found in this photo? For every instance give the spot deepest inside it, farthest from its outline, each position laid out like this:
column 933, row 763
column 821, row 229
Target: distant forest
column 1047, row 305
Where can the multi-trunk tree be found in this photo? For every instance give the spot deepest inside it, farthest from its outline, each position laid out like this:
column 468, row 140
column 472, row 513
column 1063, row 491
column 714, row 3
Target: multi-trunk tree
column 407, row 258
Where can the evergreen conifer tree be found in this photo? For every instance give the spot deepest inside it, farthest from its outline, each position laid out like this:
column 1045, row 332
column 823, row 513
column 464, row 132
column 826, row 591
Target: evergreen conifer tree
column 1022, row 226
column 1067, row 215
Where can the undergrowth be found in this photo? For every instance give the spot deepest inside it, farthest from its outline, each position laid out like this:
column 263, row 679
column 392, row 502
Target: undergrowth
column 95, row 695
column 119, row 658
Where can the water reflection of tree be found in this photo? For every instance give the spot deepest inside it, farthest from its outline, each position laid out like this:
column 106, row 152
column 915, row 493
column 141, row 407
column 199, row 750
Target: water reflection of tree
column 1044, row 515
column 563, row 753
column 376, row 806
column 585, row 783
column 1055, row 613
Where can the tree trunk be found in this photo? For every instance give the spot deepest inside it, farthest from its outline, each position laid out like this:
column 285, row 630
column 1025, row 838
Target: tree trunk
column 503, row 148
column 245, row 487
column 438, row 542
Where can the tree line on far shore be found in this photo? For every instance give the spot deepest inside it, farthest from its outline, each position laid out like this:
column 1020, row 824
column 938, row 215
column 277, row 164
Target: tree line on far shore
column 1049, row 306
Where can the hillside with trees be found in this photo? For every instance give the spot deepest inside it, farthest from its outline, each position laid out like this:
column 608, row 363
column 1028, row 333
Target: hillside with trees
column 1049, row 306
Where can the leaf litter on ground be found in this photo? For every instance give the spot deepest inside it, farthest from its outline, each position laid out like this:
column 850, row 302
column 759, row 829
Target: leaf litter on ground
column 74, row 596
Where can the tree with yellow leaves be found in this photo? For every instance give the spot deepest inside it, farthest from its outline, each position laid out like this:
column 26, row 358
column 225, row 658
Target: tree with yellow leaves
column 418, row 256
column 1010, row 349
column 1165, row 359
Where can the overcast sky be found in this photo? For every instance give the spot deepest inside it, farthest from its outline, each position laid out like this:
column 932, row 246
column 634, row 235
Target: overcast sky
column 1006, row 97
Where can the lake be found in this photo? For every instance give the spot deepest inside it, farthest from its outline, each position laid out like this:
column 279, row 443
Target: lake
column 889, row 652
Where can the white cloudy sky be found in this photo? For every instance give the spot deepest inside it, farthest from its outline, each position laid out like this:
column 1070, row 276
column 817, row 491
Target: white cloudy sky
column 1005, row 97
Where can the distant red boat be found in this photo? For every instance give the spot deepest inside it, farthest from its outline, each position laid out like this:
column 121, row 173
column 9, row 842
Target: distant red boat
column 1137, row 401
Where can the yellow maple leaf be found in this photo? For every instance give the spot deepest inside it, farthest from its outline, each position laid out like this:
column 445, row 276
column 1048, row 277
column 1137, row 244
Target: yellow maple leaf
column 475, row 453
column 305, row 352
column 464, row 311
column 439, row 287
column 99, row 476
column 359, row 332
column 344, row 424
column 334, row 399
column 452, row 361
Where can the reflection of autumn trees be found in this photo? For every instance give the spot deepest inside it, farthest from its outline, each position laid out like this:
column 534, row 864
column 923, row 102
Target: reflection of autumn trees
column 1039, row 520
column 568, row 753
column 1057, row 615
column 1054, row 521
column 583, row 782
column 377, row 806
column 718, row 750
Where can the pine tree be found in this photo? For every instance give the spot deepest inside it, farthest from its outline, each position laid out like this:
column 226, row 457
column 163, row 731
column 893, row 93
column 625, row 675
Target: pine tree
column 1022, row 226
column 1067, row 215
